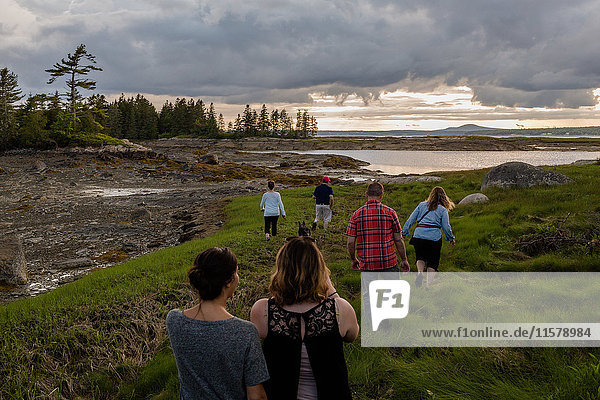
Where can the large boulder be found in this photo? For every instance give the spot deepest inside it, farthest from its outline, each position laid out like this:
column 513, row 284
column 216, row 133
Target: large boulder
column 474, row 198
column 520, row 174
column 13, row 270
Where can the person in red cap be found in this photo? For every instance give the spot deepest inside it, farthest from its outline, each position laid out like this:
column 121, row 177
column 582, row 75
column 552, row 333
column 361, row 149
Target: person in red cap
column 323, row 195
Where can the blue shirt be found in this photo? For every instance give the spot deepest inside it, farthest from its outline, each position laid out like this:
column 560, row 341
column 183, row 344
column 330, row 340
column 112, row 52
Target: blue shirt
column 271, row 202
column 436, row 219
column 322, row 193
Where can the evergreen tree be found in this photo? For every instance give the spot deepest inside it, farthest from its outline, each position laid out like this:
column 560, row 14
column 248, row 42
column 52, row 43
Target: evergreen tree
column 221, row 123
column 313, row 126
column 212, row 127
column 237, row 125
column 263, row 121
column 199, row 119
column 285, row 122
column 113, row 120
column 32, row 123
column 249, row 121
column 275, row 122
column 74, row 67
column 53, row 108
column 146, row 118
column 9, row 95
column 165, row 119
column 93, row 115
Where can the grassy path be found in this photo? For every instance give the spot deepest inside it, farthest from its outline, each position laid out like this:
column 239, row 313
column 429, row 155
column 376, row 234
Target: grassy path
column 104, row 335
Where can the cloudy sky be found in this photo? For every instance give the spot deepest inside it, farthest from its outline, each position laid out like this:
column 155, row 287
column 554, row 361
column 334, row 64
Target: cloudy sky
column 355, row 64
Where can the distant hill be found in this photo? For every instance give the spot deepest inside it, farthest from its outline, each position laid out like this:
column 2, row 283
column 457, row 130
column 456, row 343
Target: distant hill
column 465, row 128
column 472, row 129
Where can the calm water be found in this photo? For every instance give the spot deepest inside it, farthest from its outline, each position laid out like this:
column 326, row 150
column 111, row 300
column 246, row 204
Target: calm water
column 419, row 162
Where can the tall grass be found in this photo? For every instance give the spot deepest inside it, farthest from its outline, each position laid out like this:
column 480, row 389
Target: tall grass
column 103, row 336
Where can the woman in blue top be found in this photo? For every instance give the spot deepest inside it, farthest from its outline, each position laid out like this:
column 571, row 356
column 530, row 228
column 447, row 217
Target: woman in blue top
column 431, row 216
column 270, row 204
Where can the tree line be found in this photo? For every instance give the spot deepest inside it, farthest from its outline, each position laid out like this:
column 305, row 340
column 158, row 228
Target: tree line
column 69, row 118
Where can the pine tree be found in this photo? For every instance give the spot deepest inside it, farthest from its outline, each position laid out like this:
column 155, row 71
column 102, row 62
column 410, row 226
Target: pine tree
column 285, row 122
column 74, row 67
column 247, row 121
column 221, row 123
column 313, row 126
column 212, row 128
column 238, row 125
column 165, row 119
column 9, row 95
column 199, row 118
column 263, row 121
column 275, row 122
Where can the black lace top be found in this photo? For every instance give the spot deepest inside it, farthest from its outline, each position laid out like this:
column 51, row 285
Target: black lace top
column 324, row 346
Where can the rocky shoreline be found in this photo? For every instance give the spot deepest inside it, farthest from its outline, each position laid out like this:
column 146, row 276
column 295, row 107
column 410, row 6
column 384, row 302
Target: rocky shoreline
column 76, row 210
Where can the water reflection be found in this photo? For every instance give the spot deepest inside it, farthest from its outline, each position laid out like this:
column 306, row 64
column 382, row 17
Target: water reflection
column 397, row 162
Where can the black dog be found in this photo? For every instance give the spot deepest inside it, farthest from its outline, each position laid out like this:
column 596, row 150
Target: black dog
column 303, row 230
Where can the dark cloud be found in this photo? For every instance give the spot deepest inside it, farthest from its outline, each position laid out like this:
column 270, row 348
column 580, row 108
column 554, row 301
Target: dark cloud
column 538, row 53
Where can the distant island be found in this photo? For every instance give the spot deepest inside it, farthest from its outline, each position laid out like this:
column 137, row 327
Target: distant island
column 474, row 130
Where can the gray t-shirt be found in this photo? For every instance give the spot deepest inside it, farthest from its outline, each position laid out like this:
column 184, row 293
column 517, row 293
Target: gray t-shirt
column 215, row 359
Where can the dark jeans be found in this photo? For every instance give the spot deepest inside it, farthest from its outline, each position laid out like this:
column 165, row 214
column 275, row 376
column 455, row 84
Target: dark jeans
column 271, row 225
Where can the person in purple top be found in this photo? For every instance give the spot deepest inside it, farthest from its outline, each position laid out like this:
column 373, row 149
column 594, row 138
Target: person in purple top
column 323, row 196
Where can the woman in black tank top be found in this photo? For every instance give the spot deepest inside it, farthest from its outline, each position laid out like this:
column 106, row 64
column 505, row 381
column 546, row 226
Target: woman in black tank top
column 304, row 325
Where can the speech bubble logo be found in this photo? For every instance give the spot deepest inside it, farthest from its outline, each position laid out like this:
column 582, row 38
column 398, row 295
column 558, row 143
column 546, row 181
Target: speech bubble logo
column 389, row 300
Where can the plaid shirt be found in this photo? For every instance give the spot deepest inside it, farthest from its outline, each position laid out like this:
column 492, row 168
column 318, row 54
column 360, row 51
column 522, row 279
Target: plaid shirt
column 373, row 226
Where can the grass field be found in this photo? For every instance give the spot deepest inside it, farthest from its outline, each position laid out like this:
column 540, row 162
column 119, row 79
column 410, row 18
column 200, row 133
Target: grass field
column 103, row 336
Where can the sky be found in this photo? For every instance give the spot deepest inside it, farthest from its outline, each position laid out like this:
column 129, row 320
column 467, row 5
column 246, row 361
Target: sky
column 354, row 64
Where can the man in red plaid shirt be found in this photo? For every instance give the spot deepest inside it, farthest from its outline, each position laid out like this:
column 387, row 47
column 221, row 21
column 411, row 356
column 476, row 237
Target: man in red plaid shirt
column 373, row 231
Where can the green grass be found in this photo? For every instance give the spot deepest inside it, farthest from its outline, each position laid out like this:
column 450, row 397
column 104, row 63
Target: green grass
column 103, row 336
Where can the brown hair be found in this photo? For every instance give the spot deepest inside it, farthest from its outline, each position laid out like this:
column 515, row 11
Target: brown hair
column 212, row 269
column 271, row 185
column 375, row 189
column 300, row 273
column 438, row 196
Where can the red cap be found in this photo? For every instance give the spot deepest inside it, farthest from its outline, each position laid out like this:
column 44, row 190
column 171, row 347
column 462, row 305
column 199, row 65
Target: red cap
column 326, row 179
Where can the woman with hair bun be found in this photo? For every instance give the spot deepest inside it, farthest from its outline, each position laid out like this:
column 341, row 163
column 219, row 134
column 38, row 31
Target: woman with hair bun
column 304, row 325
column 218, row 355
column 431, row 217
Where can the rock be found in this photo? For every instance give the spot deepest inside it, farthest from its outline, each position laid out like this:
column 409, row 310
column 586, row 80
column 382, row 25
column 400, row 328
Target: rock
column 519, row 174
column 76, row 263
column 156, row 243
column 141, row 213
column 219, row 223
column 211, row 159
column 1, row 171
column 13, row 270
column 474, row 198
column 585, row 162
column 182, row 216
column 189, row 235
column 129, row 247
column 340, row 162
column 406, row 179
column 38, row 167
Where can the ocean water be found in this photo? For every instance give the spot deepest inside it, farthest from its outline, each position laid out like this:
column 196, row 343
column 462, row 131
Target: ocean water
column 395, row 162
